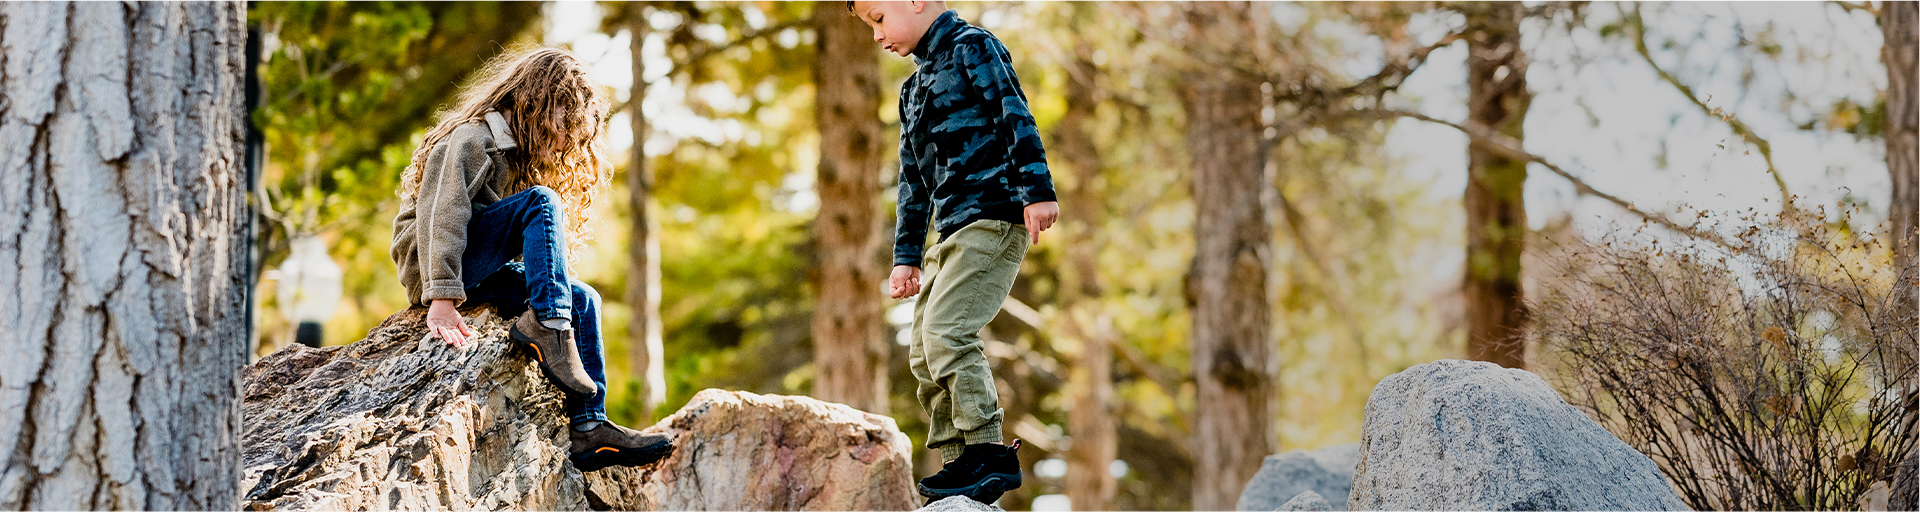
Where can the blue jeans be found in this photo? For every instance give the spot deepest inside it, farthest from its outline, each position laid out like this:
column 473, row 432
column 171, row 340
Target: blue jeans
column 529, row 225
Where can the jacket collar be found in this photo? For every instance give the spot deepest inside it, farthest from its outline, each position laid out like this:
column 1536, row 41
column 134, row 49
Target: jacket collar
column 502, row 135
column 939, row 36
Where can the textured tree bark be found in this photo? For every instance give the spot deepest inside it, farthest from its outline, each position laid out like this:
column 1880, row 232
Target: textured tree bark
column 1233, row 362
column 122, row 232
column 849, row 350
column 1090, row 416
column 1497, row 99
column 1897, row 20
column 645, row 347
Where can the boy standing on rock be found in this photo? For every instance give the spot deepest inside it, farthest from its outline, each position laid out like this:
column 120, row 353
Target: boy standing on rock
column 970, row 161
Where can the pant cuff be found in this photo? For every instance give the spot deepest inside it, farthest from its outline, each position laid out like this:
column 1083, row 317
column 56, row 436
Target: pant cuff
column 951, row 451
column 555, row 313
column 581, row 418
column 989, row 433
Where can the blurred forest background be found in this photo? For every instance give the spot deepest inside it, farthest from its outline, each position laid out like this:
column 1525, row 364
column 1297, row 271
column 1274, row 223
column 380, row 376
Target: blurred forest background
column 1266, row 208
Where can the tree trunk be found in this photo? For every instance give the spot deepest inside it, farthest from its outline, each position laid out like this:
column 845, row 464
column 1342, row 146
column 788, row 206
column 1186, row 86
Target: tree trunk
column 1897, row 21
column 644, row 345
column 1090, row 416
column 1233, row 362
column 1497, row 99
column 125, row 207
column 849, row 350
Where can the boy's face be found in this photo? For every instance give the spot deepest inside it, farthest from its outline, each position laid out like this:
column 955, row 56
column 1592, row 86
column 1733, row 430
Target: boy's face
column 897, row 26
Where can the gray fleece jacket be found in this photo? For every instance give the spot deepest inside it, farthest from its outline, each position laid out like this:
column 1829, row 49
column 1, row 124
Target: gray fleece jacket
column 465, row 171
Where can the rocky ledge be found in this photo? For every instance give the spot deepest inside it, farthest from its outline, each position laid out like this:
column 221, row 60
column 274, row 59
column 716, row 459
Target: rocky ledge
column 402, row 421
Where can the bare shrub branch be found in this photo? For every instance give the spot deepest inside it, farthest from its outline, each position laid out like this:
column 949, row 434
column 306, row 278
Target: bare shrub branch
column 1775, row 372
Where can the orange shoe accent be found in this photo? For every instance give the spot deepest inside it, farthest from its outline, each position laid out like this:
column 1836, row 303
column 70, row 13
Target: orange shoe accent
column 537, row 356
column 605, row 448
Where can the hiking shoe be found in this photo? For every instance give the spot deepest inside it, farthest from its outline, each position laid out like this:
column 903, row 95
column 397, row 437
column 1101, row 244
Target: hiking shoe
column 554, row 350
column 613, row 445
column 982, row 473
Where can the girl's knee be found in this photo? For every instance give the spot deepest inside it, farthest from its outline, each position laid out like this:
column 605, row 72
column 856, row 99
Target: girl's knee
column 583, row 293
column 544, row 193
column 546, row 200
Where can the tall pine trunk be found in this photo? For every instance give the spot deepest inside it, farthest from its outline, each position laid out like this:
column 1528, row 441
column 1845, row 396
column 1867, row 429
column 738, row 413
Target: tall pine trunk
column 1090, row 415
column 1897, row 21
column 644, row 345
column 1233, row 361
column 1497, row 99
column 849, row 349
column 123, row 233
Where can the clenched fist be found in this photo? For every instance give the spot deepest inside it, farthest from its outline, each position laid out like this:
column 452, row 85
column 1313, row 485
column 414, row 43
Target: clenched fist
column 905, row 282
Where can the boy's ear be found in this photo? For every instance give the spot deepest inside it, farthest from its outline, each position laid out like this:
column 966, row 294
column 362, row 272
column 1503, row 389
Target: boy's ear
column 918, row 6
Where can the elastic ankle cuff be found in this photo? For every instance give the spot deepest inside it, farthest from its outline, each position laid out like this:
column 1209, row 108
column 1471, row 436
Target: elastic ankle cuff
column 986, row 434
column 951, row 451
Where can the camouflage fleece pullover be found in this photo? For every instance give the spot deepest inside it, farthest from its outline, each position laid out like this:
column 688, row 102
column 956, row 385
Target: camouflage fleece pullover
column 969, row 149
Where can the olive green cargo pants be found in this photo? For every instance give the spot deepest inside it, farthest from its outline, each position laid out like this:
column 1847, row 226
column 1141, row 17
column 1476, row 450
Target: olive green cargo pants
column 964, row 280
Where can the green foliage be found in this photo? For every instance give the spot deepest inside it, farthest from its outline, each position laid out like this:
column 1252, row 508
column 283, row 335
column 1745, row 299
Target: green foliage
column 349, row 89
column 1350, row 311
column 736, row 252
column 1365, row 259
column 347, row 82
column 735, row 226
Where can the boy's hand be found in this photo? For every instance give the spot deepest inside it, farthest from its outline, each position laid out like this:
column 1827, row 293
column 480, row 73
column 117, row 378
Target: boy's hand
column 443, row 321
column 905, row 282
column 1040, row 216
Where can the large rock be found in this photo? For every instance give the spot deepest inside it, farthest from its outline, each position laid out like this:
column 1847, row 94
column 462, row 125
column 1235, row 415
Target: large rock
column 1905, row 494
column 959, row 504
column 1464, row 435
column 401, row 421
column 742, row 451
column 1307, row 501
column 1327, row 472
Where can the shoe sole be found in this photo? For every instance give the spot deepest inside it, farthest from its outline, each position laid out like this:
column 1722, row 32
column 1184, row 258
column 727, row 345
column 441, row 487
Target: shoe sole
column 987, row 490
column 525, row 345
column 608, row 456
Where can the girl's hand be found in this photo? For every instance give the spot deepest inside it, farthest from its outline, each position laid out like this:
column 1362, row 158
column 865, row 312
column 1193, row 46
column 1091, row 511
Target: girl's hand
column 905, row 282
column 443, row 321
column 1040, row 216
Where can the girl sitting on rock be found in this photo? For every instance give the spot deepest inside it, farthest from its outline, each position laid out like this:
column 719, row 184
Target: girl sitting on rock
column 511, row 173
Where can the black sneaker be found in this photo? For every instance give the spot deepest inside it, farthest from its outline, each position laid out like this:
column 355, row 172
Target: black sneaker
column 982, row 473
column 613, row 445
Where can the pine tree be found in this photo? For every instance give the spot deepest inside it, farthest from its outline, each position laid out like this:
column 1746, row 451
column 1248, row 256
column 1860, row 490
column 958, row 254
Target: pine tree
column 127, row 252
column 1232, row 352
column 1497, row 99
column 849, row 350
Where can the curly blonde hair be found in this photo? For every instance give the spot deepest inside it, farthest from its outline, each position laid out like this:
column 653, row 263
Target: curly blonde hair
column 557, row 117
